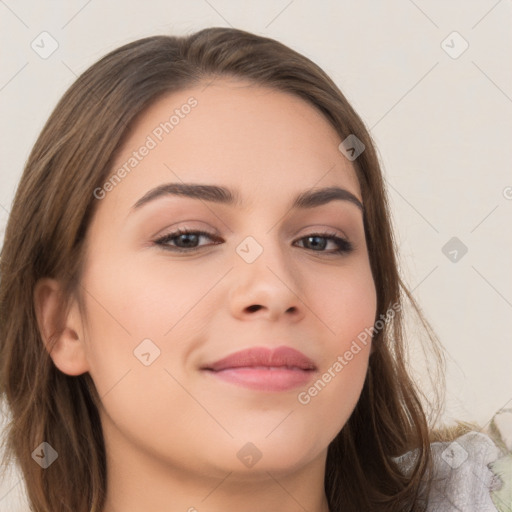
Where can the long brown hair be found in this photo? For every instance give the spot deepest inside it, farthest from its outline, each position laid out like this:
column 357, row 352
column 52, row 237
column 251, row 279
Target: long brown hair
column 45, row 234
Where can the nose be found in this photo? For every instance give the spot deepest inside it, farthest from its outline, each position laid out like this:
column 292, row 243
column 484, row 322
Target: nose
column 267, row 288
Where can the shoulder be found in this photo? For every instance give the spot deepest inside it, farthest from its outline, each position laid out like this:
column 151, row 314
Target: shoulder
column 468, row 475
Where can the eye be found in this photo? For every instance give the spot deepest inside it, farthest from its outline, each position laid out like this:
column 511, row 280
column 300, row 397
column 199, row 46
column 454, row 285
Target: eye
column 185, row 241
column 320, row 240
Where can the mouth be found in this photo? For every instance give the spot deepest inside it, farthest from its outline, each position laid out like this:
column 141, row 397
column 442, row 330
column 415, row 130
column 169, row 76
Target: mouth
column 264, row 369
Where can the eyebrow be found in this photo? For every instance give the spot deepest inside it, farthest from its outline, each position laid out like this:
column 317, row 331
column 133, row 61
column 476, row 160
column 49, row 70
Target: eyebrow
column 222, row 195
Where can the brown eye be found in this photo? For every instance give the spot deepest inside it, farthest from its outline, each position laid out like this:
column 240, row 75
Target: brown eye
column 183, row 240
column 316, row 241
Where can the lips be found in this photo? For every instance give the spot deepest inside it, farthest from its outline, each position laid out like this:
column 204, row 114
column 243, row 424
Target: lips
column 261, row 357
column 264, row 369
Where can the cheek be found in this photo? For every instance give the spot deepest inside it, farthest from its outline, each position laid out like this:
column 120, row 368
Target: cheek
column 135, row 309
column 343, row 302
column 129, row 313
column 130, row 297
column 331, row 399
column 347, row 308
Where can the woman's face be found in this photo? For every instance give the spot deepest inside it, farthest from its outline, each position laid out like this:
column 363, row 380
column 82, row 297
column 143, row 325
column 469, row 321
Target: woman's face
column 159, row 318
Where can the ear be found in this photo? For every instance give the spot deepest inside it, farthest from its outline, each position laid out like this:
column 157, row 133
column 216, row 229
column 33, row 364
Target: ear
column 60, row 331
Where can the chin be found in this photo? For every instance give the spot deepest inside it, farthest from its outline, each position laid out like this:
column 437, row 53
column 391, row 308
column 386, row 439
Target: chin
column 281, row 454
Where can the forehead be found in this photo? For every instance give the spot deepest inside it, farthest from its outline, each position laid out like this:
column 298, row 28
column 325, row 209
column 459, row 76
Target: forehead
column 255, row 139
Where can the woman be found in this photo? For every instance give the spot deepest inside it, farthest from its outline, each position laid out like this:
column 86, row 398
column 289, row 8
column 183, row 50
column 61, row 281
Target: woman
column 263, row 369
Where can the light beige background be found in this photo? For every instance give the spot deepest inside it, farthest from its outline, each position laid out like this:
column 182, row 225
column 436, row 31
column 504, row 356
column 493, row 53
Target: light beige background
column 442, row 123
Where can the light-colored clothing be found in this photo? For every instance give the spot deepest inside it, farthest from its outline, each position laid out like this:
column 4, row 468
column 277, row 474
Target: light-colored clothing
column 471, row 475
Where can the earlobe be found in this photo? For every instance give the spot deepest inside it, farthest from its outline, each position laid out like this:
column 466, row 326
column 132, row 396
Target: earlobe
column 60, row 328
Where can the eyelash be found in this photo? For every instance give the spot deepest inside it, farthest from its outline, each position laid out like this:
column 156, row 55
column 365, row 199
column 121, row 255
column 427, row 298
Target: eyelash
column 344, row 246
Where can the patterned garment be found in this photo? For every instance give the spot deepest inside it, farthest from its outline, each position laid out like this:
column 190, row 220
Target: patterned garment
column 472, row 474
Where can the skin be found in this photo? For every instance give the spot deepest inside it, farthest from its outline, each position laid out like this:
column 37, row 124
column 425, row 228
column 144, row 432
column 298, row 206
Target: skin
column 172, row 433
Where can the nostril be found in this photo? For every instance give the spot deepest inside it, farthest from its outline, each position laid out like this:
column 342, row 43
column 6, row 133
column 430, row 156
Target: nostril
column 254, row 307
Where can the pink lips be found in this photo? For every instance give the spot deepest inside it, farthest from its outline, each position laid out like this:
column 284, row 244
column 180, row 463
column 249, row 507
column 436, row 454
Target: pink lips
column 264, row 369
